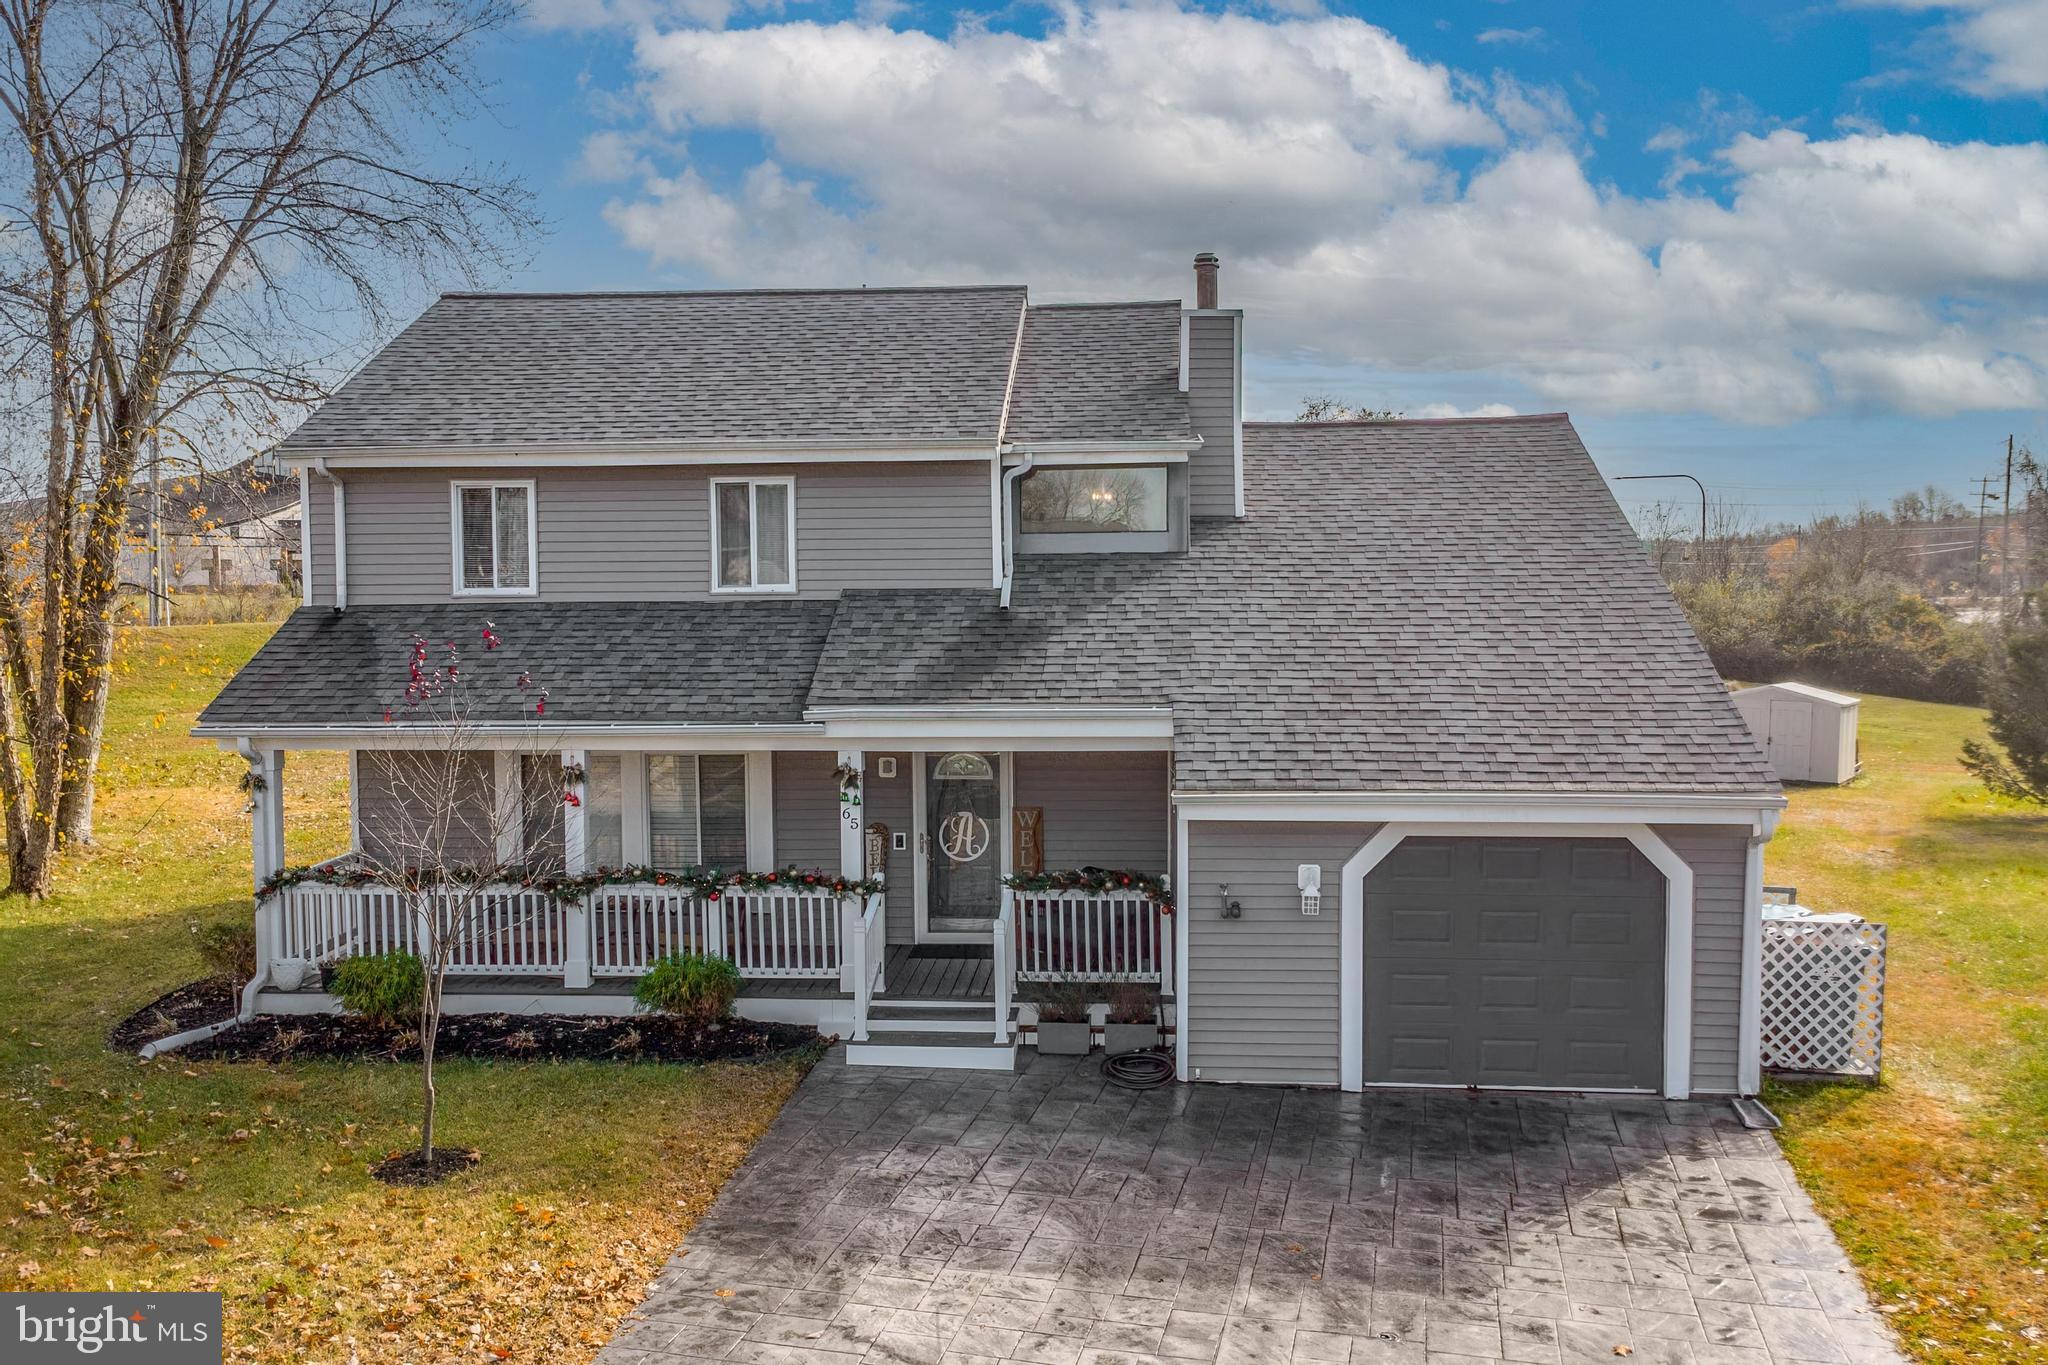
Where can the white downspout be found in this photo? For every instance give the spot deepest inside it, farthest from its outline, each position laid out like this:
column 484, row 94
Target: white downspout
column 1010, row 477
column 340, row 536
column 257, row 981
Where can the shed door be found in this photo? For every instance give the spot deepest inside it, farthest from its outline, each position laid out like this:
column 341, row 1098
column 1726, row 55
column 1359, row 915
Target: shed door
column 1791, row 741
column 1515, row 962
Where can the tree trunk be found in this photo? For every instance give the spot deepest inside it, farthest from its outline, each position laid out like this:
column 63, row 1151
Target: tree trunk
column 430, row 1028
column 88, row 726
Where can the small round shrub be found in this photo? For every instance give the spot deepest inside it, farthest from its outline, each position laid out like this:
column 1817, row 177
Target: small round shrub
column 228, row 949
column 691, row 987
column 384, row 987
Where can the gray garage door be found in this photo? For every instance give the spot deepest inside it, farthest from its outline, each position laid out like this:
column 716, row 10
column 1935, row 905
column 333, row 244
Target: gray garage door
column 1530, row 962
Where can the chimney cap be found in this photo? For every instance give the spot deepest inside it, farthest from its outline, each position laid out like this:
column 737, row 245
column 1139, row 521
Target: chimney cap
column 1207, row 258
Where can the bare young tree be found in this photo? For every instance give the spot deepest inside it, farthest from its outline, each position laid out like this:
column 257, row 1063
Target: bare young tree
column 189, row 192
column 460, row 855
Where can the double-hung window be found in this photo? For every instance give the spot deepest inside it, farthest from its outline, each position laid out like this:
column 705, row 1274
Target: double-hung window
column 753, row 535
column 494, row 535
column 689, row 810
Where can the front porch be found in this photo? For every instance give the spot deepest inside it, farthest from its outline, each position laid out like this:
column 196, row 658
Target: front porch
column 930, row 942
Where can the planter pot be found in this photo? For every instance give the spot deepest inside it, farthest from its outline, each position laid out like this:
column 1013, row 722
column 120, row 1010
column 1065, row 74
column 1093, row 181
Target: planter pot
column 1065, row 1040
column 288, row 974
column 1121, row 1038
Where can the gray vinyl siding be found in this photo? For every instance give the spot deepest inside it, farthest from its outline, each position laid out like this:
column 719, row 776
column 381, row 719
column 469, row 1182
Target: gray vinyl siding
column 1101, row 809
column 1263, row 992
column 1263, row 998
column 384, row 832
column 807, row 824
column 1212, row 411
column 1719, row 858
column 806, row 809
column 316, row 539
column 889, row 803
column 644, row 534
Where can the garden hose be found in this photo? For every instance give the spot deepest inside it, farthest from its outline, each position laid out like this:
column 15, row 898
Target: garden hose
column 1138, row 1070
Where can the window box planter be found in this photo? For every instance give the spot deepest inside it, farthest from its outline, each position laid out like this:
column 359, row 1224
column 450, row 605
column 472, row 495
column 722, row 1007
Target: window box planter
column 1065, row 1039
column 1118, row 1039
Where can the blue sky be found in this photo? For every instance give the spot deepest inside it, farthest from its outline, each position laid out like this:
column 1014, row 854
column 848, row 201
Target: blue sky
column 1798, row 250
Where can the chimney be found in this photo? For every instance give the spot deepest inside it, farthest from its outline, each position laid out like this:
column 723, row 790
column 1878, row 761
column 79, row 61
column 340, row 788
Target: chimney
column 1205, row 279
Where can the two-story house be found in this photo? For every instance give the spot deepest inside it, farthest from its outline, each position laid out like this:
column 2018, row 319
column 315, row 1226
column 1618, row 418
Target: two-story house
column 948, row 587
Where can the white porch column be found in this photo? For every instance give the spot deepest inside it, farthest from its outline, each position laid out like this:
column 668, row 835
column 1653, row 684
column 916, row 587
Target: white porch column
column 852, row 817
column 575, row 860
column 266, row 845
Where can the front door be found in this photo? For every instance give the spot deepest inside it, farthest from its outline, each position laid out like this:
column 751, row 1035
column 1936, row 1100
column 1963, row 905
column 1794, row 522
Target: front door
column 963, row 852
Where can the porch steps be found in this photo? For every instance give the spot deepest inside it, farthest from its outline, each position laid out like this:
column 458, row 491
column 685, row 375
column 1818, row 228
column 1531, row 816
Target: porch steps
column 932, row 1016
column 947, row 1034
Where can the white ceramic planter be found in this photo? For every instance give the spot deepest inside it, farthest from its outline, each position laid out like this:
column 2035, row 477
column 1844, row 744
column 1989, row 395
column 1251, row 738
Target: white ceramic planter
column 289, row 973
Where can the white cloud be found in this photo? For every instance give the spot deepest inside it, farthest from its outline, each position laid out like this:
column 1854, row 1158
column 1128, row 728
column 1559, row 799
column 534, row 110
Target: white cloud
column 1995, row 47
column 1453, row 410
column 1864, row 269
column 1517, row 37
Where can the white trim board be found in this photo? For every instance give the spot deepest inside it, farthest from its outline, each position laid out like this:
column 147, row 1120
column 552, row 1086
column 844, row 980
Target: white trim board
column 1678, row 932
column 635, row 454
column 1759, row 812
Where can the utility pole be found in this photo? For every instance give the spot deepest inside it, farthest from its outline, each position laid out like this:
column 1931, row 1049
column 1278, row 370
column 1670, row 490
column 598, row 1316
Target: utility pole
column 2005, row 597
column 1984, row 495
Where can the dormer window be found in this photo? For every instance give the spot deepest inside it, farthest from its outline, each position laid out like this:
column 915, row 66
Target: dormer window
column 494, row 535
column 1094, row 501
column 753, row 535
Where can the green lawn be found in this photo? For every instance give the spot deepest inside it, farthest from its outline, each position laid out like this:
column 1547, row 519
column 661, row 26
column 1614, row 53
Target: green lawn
column 1937, row 1179
column 251, row 1179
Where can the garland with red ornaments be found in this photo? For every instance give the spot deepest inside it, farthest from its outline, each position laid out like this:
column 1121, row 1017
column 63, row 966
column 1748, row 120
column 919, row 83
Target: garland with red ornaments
column 704, row 883
column 1098, row 880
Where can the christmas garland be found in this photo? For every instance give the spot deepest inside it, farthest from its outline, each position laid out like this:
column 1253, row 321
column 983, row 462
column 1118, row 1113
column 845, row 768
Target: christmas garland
column 705, row 883
column 1096, row 879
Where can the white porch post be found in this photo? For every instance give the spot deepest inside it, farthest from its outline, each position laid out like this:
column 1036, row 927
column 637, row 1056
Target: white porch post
column 266, row 845
column 575, row 860
column 852, row 819
column 852, row 938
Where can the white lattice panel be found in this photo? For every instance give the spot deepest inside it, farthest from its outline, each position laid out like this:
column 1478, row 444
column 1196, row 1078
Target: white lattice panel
column 1823, row 997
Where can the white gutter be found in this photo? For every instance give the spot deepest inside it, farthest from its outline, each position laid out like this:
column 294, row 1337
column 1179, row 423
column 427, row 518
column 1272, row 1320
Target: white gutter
column 1010, row 477
column 340, row 535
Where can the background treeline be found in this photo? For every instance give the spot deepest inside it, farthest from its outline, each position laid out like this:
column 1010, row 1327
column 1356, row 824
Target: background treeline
column 1907, row 600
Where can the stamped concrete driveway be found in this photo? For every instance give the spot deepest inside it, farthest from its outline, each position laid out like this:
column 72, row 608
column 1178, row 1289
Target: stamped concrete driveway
column 964, row 1218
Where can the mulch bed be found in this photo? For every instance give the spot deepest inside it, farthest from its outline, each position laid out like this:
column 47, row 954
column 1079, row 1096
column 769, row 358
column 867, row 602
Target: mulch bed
column 409, row 1168
column 504, row 1037
column 207, row 1001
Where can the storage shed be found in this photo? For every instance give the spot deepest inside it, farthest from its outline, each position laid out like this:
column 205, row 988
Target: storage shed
column 1809, row 734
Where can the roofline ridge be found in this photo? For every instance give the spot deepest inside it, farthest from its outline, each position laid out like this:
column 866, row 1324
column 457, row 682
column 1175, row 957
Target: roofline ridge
column 796, row 292
column 1174, row 304
column 1423, row 421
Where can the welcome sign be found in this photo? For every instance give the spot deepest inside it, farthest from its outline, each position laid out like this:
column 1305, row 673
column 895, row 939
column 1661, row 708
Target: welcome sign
column 123, row 1329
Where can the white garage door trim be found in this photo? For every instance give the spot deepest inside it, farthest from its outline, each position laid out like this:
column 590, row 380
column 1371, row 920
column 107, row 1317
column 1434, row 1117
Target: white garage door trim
column 1677, row 933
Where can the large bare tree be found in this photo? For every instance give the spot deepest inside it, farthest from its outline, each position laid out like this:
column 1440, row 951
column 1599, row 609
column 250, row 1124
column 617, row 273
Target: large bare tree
column 208, row 203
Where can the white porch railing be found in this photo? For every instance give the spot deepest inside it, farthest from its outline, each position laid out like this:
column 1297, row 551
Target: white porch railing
column 1084, row 936
column 502, row 931
column 516, row 931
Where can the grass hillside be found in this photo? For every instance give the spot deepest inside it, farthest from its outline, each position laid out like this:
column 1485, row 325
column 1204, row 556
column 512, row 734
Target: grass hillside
column 1937, row 1179
column 252, row 1179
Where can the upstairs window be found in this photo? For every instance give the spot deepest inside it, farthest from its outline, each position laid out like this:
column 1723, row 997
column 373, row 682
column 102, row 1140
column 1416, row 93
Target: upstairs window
column 753, row 535
column 1103, row 501
column 494, row 538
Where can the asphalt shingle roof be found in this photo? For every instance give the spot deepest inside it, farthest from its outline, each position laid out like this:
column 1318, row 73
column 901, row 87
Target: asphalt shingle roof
column 1099, row 372
column 628, row 663
column 535, row 371
column 1409, row 606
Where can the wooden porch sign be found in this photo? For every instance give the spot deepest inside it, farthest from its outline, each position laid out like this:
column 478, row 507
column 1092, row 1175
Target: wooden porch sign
column 1027, row 840
column 875, row 857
